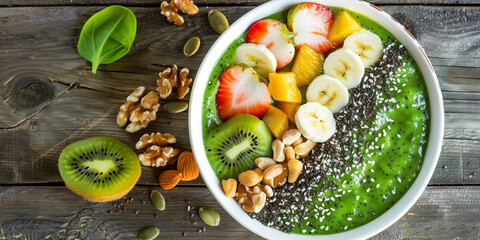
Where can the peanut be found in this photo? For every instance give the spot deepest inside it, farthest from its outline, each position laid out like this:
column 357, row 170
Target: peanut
column 298, row 142
column 294, row 169
column 291, row 136
column 272, row 171
column 289, row 153
column 264, row 162
column 249, row 178
column 277, row 147
column 304, row 148
column 229, row 187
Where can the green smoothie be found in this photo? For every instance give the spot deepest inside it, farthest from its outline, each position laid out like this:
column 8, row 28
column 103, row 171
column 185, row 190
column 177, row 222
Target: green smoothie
column 391, row 149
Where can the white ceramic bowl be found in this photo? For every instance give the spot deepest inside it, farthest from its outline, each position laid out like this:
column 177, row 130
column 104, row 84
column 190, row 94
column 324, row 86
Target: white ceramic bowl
column 436, row 124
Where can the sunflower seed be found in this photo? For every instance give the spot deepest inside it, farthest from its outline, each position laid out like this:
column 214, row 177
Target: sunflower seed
column 149, row 233
column 209, row 216
column 176, row 107
column 191, row 47
column 157, row 200
column 218, row 21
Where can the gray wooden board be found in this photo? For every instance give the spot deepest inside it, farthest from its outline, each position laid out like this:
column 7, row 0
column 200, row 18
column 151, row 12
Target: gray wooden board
column 49, row 100
column 11, row 3
column 53, row 212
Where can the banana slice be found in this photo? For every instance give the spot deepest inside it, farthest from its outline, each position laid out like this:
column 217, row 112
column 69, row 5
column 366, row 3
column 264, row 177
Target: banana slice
column 315, row 121
column 367, row 45
column 329, row 92
column 258, row 57
column 345, row 66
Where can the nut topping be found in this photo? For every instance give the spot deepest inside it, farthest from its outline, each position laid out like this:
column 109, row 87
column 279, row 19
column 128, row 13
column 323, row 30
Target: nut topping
column 272, row 171
column 249, row 178
column 156, row 156
column 278, row 154
column 170, row 78
column 139, row 109
column 158, row 139
column 170, row 11
column 264, row 162
column 304, row 148
column 290, row 136
column 167, row 81
column 252, row 199
column 294, row 169
column 186, row 6
column 229, row 187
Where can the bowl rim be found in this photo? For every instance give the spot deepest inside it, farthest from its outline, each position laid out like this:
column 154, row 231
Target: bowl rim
column 436, row 119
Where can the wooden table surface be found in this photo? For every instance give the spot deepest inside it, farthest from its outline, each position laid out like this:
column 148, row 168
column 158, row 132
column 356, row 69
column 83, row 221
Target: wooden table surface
column 49, row 99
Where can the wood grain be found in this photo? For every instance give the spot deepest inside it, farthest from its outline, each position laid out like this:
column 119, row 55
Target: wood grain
column 11, row 3
column 39, row 52
column 56, row 213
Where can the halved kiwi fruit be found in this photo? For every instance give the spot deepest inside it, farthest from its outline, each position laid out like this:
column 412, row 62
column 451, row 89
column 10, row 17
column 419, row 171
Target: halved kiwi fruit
column 100, row 169
column 233, row 146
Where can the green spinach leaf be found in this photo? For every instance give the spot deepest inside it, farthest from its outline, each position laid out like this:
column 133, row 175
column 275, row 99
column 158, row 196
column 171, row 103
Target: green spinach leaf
column 107, row 36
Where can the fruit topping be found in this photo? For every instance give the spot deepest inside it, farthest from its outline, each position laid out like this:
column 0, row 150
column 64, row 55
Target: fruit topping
column 367, row 45
column 288, row 108
column 283, row 87
column 343, row 26
column 311, row 22
column 99, row 169
column 276, row 37
column 241, row 91
column 234, row 145
column 276, row 121
column 307, row 65
column 315, row 122
column 329, row 92
column 256, row 56
column 345, row 66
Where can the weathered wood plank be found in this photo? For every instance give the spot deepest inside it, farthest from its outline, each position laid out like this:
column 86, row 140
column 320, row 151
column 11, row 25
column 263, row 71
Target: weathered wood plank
column 11, row 3
column 41, row 42
column 441, row 212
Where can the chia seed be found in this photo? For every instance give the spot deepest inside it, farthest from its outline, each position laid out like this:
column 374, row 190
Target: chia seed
column 342, row 151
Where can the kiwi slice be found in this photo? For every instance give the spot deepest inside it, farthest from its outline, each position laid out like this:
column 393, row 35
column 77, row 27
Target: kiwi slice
column 100, row 169
column 233, row 146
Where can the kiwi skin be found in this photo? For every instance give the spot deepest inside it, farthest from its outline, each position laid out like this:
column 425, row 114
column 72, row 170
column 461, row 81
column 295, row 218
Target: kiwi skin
column 108, row 198
column 74, row 147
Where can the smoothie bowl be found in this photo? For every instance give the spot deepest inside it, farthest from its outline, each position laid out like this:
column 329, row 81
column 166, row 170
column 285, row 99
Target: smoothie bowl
column 318, row 119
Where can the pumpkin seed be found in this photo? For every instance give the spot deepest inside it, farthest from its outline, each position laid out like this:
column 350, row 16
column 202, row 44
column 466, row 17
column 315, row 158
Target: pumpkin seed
column 218, row 21
column 176, row 107
column 209, row 216
column 157, row 200
column 191, row 47
column 149, row 233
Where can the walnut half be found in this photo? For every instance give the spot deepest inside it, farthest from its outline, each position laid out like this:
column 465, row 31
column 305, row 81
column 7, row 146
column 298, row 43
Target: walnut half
column 171, row 78
column 252, row 199
column 156, row 156
column 140, row 109
column 170, row 11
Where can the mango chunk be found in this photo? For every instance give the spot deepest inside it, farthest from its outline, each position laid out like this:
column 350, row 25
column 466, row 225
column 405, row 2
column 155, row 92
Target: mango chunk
column 289, row 109
column 283, row 87
column 308, row 64
column 276, row 120
column 343, row 26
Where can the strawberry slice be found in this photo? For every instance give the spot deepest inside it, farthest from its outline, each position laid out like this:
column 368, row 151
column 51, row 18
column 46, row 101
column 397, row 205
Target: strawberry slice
column 276, row 37
column 242, row 91
column 312, row 23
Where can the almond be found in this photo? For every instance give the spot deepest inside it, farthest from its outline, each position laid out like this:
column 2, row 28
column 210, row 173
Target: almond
column 187, row 166
column 169, row 179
